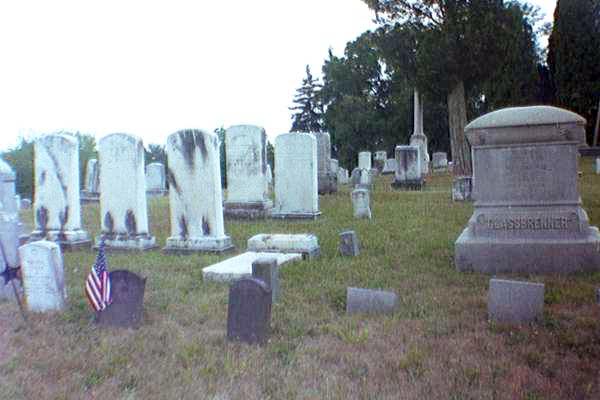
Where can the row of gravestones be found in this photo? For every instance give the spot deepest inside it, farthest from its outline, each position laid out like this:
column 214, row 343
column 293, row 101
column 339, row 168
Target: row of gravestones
column 193, row 175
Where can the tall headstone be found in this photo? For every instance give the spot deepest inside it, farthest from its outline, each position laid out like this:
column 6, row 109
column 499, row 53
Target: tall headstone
column 57, row 205
column 123, row 208
column 418, row 137
column 528, row 216
column 43, row 276
column 249, row 311
column 296, row 192
column 247, row 179
column 408, row 168
column 195, row 194
column 364, row 160
column 361, row 203
column 440, row 161
column 10, row 227
column 327, row 180
column 379, row 159
column 91, row 186
column 156, row 180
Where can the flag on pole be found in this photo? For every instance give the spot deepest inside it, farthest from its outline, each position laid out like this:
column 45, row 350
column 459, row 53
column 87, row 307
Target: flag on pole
column 97, row 284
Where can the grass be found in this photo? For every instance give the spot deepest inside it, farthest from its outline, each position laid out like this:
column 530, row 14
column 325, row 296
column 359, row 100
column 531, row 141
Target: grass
column 438, row 345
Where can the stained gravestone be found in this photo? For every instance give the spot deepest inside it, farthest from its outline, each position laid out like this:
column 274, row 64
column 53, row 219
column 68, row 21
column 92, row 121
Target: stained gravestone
column 528, row 216
column 247, row 180
column 296, row 191
column 123, row 208
column 43, row 276
column 408, row 168
column 91, row 187
column 342, row 176
column 418, row 137
column 389, row 167
column 369, row 301
column 364, row 160
column 249, row 311
column 349, row 245
column 10, row 227
column 266, row 269
column 515, row 302
column 127, row 307
column 379, row 160
column 361, row 203
column 440, row 161
column 156, row 180
column 306, row 244
column 57, row 208
column 195, row 194
column 327, row 179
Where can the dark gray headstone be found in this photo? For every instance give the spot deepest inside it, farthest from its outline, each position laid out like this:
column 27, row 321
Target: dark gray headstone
column 515, row 302
column 249, row 311
column 127, row 305
column 349, row 245
column 265, row 269
column 368, row 301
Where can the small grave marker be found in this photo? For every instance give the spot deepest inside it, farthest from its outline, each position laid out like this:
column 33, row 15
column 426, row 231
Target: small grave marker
column 249, row 311
column 127, row 305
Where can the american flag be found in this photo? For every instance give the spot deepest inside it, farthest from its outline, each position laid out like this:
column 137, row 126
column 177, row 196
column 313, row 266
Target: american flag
column 97, row 284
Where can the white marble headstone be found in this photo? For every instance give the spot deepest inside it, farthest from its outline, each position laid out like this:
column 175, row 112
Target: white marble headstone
column 10, row 226
column 364, row 160
column 92, row 176
column 343, row 177
column 156, row 182
column 361, row 203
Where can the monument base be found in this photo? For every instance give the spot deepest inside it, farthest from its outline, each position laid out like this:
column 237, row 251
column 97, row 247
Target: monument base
column 67, row 240
column 493, row 255
column 416, row 184
column 248, row 210
column 179, row 245
column 296, row 215
column 126, row 242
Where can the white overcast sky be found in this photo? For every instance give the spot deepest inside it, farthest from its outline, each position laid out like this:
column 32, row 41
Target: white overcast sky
column 152, row 67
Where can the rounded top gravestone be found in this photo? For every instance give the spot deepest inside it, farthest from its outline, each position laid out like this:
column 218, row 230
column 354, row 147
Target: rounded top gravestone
column 535, row 124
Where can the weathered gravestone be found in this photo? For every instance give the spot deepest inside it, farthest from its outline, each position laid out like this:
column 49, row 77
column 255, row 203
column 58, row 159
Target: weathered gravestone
column 462, row 188
column 240, row 266
column 327, row 179
column 408, row 169
column 418, row 138
column 389, row 168
column 249, row 311
column 91, row 185
column 379, row 160
column 296, row 191
column 57, row 204
column 195, row 194
column 335, row 166
column 123, row 208
column 247, row 180
column 342, row 176
column 361, row 203
column 156, row 180
column 10, row 228
column 349, row 245
column 127, row 307
column 528, row 215
column 306, row 244
column 43, row 276
column 440, row 161
column 266, row 269
column 364, row 160
column 368, row 301
column 361, row 178
column 515, row 302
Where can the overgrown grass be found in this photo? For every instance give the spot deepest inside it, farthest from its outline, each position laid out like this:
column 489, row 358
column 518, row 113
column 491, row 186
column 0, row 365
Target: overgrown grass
column 438, row 345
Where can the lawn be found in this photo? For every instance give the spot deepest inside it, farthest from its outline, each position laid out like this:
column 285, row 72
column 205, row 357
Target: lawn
column 438, row 345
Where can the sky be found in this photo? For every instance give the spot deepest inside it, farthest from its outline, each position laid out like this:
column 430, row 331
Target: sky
column 152, row 67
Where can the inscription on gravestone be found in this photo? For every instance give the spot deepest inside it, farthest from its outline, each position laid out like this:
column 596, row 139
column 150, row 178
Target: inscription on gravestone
column 249, row 311
column 127, row 307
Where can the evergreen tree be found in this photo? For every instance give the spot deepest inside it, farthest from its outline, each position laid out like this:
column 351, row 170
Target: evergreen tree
column 308, row 110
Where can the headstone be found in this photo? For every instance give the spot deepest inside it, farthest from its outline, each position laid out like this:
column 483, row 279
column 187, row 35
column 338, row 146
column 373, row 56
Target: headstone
column 364, row 160
column 327, row 179
column 296, row 192
column 440, row 161
column 25, row 204
column 408, row 169
column 597, row 166
column 335, row 166
column 389, row 167
column 266, row 269
column 18, row 202
column 91, row 187
column 306, row 244
column 10, row 227
column 127, row 307
column 462, row 188
column 269, row 176
column 247, row 180
column 528, row 216
column 195, row 194
column 349, row 245
column 418, row 137
column 43, row 276
column 361, row 203
column 156, row 180
column 123, row 208
column 379, row 160
column 57, row 207
column 343, row 178
column 368, row 301
column 249, row 311
column 365, row 180
column 240, row 266
column 515, row 302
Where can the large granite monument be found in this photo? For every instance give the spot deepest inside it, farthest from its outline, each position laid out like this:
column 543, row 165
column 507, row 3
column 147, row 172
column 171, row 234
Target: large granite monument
column 528, row 216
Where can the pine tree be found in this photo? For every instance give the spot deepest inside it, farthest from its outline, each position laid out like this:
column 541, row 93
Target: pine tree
column 308, row 110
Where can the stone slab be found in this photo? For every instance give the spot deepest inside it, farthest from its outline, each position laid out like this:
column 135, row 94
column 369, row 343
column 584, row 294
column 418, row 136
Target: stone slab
column 240, row 266
column 249, row 311
column 369, row 301
column 127, row 307
column 515, row 302
column 306, row 244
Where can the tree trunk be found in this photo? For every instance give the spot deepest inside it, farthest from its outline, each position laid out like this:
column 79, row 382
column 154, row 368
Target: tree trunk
column 457, row 120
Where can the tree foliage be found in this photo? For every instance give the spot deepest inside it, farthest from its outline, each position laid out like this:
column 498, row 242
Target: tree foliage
column 308, row 113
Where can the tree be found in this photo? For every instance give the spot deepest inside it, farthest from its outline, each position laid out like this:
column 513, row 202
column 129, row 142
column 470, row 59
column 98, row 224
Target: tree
column 573, row 57
column 155, row 153
column 308, row 111
column 20, row 158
